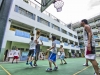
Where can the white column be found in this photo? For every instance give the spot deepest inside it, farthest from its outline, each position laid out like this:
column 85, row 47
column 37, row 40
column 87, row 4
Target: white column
column 75, row 51
column 79, row 51
column 6, row 33
column 73, row 43
column 5, row 38
column 50, row 35
column 70, row 51
column 78, row 43
column 68, row 41
column 60, row 38
column 34, row 32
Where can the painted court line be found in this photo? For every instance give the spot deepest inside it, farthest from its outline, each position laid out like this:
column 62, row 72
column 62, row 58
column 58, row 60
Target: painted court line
column 5, row 70
column 81, row 70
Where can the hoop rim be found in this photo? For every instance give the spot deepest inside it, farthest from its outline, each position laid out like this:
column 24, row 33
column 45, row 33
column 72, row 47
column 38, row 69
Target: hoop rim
column 60, row 5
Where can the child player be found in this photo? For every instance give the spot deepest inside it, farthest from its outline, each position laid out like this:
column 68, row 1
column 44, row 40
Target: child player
column 52, row 56
column 16, row 55
column 31, row 53
column 62, row 55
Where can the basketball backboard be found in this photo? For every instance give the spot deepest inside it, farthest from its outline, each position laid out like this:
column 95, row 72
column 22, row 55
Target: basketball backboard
column 45, row 4
column 1, row 2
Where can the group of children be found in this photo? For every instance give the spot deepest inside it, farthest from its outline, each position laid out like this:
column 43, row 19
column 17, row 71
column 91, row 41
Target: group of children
column 34, row 52
column 35, row 49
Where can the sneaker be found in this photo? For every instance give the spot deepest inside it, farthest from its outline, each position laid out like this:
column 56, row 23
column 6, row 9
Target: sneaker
column 85, row 65
column 95, row 73
column 65, row 63
column 48, row 70
column 31, row 63
column 55, row 68
column 27, row 63
column 33, row 66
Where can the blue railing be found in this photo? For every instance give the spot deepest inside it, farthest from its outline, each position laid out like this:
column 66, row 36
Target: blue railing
column 57, row 42
column 72, row 45
column 95, row 36
column 81, row 46
column 96, row 44
column 66, row 44
column 77, row 47
column 22, row 34
column 45, row 39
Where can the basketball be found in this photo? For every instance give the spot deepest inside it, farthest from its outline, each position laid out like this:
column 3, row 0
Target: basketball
column 38, row 32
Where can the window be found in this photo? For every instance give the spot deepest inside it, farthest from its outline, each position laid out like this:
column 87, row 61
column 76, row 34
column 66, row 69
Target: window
column 18, row 28
column 55, row 27
column 43, row 21
column 75, row 36
column 38, row 19
column 24, row 12
column 70, row 34
column 63, row 31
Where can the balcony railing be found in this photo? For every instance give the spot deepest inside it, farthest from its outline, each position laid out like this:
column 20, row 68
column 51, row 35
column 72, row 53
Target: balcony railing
column 57, row 42
column 81, row 40
column 45, row 39
column 97, row 22
column 72, row 45
column 92, row 24
column 80, row 34
column 95, row 30
column 95, row 37
column 66, row 44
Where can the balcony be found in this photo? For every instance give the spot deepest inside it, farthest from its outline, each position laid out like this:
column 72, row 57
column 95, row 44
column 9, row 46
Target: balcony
column 95, row 37
column 46, row 41
column 95, row 30
column 97, row 22
column 57, row 42
column 80, row 34
column 79, row 29
column 81, row 41
column 92, row 24
column 65, row 44
column 82, row 47
column 72, row 45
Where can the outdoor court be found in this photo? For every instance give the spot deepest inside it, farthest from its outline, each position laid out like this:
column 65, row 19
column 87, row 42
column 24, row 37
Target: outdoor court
column 74, row 67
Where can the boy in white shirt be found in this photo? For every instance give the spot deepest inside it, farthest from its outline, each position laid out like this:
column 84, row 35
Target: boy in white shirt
column 16, row 55
column 31, row 53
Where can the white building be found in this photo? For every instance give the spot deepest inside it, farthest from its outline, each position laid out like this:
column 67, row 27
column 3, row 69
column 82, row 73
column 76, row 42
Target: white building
column 25, row 18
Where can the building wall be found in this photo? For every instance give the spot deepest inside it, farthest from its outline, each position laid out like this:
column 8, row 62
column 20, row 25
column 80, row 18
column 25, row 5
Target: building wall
column 15, row 16
column 4, row 13
column 28, row 21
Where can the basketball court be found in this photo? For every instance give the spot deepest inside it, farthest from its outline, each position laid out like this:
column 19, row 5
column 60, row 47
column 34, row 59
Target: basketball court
column 74, row 67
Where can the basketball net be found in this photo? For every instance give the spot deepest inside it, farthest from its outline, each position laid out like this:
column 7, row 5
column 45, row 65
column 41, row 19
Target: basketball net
column 58, row 4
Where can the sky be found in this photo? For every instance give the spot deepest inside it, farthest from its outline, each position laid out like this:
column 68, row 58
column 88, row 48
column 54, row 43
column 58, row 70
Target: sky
column 75, row 10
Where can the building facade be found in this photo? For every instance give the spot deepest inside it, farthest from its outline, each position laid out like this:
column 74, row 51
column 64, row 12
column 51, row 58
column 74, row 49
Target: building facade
column 25, row 18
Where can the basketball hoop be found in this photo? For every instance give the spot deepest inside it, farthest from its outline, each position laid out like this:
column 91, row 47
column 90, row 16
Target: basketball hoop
column 58, row 4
